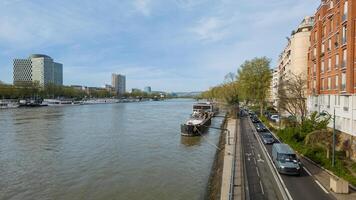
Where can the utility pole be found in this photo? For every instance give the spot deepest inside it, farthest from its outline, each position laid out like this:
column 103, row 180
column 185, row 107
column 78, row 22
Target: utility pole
column 333, row 159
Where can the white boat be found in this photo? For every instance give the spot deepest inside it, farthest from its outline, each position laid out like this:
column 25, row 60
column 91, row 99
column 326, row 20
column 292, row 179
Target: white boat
column 4, row 104
column 100, row 101
column 60, row 102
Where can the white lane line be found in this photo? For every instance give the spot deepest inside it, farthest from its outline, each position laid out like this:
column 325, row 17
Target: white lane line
column 263, row 192
column 305, row 169
column 322, row 187
column 258, row 173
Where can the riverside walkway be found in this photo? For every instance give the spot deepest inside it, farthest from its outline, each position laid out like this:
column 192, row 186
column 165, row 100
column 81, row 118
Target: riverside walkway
column 232, row 176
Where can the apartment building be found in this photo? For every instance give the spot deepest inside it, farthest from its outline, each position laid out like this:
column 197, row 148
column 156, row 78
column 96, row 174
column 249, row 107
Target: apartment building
column 294, row 57
column 118, row 82
column 331, row 64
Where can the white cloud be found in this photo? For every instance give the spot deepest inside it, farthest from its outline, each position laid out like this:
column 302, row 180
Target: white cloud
column 210, row 29
column 143, row 6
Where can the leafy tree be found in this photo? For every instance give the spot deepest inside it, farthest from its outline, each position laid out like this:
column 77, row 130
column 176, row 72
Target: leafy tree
column 254, row 80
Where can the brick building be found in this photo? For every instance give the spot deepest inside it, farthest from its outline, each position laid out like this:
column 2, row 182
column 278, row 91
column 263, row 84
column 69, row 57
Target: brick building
column 331, row 65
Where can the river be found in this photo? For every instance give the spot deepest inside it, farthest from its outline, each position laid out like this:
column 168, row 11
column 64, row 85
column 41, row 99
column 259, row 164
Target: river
column 117, row 151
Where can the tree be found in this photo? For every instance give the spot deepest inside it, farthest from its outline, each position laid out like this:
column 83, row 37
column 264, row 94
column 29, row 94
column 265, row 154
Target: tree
column 254, row 80
column 291, row 95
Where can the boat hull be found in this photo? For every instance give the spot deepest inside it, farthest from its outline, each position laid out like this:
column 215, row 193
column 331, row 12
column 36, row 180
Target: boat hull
column 190, row 130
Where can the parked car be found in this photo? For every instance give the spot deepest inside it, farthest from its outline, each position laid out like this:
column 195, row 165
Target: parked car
column 255, row 119
column 285, row 159
column 275, row 118
column 267, row 138
column 260, row 127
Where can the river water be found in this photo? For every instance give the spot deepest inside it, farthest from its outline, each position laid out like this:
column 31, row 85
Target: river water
column 118, row 151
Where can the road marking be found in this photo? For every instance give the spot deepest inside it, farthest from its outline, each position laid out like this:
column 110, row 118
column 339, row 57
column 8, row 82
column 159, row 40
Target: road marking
column 258, row 173
column 263, row 192
column 260, row 159
column 305, row 169
column 322, row 187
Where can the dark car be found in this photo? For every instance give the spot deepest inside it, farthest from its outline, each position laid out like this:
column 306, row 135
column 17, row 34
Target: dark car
column 254, row 119
column 267, row 138
column 260, row 127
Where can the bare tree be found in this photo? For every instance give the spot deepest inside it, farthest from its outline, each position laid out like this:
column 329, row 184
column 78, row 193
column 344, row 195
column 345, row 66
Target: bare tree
column 292, row 96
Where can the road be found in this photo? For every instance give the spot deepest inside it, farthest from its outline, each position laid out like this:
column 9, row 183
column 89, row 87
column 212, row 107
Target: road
column 303, row 187
column 260, row 181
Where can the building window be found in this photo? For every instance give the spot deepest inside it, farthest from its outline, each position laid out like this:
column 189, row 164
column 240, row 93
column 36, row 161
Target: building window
column 346, row 8
column 331, row 25
column 329, row 64
column 322, row 84
column 329, row 83
column 316, row 36
column 324, row 31
column 322, row 48
column 344, row 58
column 336, row 81
column 337, row 40
column 322, row 66
column 346, row 103
column 314, row 52
column 314, row 85
column 343, row 81
column 344, row 34
column 337, row 61
column 329, row 45
column 328, row 101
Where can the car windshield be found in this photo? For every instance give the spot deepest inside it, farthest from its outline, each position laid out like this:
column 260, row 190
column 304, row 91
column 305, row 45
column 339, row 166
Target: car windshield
column 267, row 136
column 287, row 157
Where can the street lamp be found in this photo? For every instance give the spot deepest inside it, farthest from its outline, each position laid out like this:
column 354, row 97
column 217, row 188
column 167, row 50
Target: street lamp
column 324, row 112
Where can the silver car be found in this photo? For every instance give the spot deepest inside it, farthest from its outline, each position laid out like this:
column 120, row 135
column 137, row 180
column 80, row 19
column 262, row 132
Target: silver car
column 285, row 160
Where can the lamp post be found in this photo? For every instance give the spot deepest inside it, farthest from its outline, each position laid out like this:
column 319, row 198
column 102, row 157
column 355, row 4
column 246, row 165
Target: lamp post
column 334, row 134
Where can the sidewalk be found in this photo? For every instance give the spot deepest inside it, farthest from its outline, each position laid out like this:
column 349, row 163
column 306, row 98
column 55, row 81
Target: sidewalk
column 323, row 177
column 228, row 178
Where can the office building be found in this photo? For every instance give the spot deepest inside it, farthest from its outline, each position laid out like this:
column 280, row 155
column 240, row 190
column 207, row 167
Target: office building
column 118, row 83
column 37, row 68
column 331, row 65
column 148, row 89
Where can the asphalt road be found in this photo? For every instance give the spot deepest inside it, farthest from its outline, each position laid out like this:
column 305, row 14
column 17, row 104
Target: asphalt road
column 260, row 181
column 303, row 187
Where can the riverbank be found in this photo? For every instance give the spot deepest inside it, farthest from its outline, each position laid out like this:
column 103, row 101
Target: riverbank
column 215, row 179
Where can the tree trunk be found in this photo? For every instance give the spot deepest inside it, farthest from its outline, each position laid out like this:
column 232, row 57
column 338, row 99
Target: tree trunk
column 261, row 109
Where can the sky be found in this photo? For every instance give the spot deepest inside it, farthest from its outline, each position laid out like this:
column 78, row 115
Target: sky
column 170, row 45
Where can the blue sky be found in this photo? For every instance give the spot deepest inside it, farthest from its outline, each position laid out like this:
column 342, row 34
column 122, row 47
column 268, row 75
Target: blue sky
column 171, row 45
